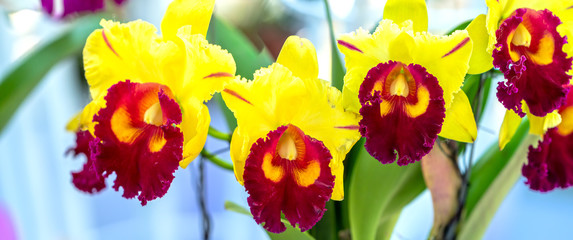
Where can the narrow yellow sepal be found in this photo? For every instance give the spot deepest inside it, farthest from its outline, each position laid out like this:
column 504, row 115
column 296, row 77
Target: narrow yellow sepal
column 195, row 126
column 196, row 13
column 459, row 123
column 402, row 10
column 299, row 56
column 481, row 60
column 508, row 128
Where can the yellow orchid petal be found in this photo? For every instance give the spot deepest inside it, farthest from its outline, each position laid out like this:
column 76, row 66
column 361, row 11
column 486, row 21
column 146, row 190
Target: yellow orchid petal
column 402, row 10
column 208, row 68
column 539, row 125
column 459, row 123
column 134, row 47
column 195, row 126
column 480, row 60
column 196, row 13
column 362, row 52
column 239, row 148
column 446, row 58
column 508, row 128
column 299, row 56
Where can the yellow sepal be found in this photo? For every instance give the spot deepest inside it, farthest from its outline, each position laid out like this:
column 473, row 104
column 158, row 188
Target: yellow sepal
column 403, row 10
column 459, row 123
column 480, row 60
column 196, row 13
column 299, row 56
column 508, row 128
column 195, row 126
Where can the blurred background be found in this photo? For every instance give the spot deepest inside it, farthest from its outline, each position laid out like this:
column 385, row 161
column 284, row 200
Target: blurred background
column 38, row 201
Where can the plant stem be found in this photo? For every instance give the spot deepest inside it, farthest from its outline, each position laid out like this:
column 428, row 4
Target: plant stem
column 219, row 135
column 337, row 71
column 217, row 161
column 203, row 206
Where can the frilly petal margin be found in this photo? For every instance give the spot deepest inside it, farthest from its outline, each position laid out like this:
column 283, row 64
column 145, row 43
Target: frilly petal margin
column 143, row 156
column 87, row 180
column 550, row 164
column 415, row 120
column 299, row 188
column 535, row 67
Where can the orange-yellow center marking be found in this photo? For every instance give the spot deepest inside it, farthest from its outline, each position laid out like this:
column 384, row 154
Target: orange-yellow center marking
column 521, row 37
column 157, row 142
column 272, row 172
column 305, row 177
column 291, row 144
column 415, row 110
column 399, row 86
column 122, row 128
column 566, row 126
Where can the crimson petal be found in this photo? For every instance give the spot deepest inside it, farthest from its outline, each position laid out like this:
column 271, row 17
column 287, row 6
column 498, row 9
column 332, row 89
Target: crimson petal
column 299, row 188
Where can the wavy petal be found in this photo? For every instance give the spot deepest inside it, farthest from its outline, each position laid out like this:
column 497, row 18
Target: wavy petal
column 446, row 58
column 207, row 69
column 459, row 123
column 137, row 138
column 416, row 116
column 295, row 181
column 135, row 47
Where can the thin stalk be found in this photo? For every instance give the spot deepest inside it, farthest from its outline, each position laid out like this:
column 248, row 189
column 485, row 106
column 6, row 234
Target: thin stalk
column 216, row 160
column 219, row 135
column 451, row 228
column 202, row 203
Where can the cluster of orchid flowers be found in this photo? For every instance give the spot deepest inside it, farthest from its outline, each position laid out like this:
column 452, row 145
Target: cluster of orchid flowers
column 402, row 90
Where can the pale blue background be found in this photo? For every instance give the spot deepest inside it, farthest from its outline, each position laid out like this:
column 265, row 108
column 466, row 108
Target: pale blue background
column 35, row 180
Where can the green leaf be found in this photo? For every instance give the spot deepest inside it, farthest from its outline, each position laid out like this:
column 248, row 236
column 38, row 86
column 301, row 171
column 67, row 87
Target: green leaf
column 337, row 70
column 476, row 224
column 488, row 167
column 247, row 58
column 27, row 72
column 378, row 192
column 290, row 233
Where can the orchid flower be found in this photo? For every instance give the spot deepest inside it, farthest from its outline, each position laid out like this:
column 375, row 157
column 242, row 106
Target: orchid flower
column 291, row 139
column 406, row 84
column 528, row 42
column 148, row 117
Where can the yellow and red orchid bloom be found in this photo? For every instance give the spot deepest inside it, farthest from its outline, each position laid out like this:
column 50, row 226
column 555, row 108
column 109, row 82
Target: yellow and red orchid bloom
column 406, row 84
column 528, row 43
column 550, row 164
column 291, row 139
column 148, row 116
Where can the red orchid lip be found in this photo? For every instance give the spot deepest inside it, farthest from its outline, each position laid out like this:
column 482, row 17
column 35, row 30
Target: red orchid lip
column 550, row 164
column 530, row 55
column 89, row 179
column 402, row 112
column 288, row 172
column 137, row 137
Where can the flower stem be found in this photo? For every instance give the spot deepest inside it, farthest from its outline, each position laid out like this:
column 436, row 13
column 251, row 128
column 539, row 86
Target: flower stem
column 217, row 161
column 219, row 135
